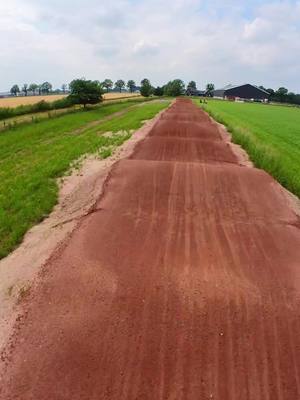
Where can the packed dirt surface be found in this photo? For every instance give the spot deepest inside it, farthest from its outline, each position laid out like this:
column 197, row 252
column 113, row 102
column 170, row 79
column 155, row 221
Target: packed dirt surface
column 78, row 194
column 183, row 283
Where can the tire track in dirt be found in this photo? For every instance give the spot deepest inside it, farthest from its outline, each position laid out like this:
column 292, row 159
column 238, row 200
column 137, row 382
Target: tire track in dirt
column 184, row 286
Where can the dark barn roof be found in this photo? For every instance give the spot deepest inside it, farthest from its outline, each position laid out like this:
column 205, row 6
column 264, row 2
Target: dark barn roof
column 246, row 91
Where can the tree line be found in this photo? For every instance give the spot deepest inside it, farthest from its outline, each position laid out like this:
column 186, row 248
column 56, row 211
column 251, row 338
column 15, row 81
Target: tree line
column 34, row 88
column 84, row 92
column 47, row 88
column 282, row 95
column 175, row 87
column 90, row 92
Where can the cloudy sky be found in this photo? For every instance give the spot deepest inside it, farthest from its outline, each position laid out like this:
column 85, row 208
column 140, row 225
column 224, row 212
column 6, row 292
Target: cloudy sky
column 219, row 41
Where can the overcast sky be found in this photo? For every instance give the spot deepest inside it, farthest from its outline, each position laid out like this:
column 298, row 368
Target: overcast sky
column 219, row 41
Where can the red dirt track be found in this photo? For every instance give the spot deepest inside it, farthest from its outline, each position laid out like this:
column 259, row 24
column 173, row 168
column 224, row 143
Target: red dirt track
column 190, row 150
column 183, row 284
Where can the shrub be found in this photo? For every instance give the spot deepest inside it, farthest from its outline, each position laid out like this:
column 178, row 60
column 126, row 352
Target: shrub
column 6, row 112
column 63, row 103
column 41, row 106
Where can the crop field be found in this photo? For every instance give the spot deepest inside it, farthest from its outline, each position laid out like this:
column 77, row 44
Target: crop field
column 12, row 102
column 270, row 134
column 117, row 96
column 32, row 156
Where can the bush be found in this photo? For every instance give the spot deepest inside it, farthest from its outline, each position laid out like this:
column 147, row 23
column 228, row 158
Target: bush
column 41, row 106
column 6, row 112
column 63, row 103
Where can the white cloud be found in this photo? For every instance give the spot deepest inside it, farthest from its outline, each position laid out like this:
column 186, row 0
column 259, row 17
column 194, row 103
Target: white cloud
column 145, row 48
column 220, row 41
column 272, row 43
column 259, row 28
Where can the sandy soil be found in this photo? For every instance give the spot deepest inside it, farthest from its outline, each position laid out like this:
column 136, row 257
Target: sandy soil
column 18, row 101
column 182, row 282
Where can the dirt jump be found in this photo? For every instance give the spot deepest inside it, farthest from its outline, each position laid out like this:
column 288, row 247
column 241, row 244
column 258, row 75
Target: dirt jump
column 184, row 283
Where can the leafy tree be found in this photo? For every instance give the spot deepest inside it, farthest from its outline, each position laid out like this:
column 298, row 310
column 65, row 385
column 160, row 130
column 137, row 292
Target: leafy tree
column 263, row 88
column 158, row 91
column 281, row 94
column 120, row 84
column 291, row 97
column 210, row 87
column 46, row 87
column 192, row 85
column 33, row 87
column 15, row 90
column 131, row 85
column 146, row 88
column 25, row 89
column 174, row 88
column 107, row 84
column 282, row 91
column 85, row 92
column 64, row 87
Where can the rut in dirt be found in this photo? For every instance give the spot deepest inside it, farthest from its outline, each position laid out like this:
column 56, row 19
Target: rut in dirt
column 185, row 285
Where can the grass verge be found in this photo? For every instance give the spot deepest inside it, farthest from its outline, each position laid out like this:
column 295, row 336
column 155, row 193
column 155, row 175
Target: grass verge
column 33, row 156
column 38, row 116
column 269, row 134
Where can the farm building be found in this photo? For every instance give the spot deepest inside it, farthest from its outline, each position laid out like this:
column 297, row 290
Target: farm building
column 195, row 92
column 243, row 92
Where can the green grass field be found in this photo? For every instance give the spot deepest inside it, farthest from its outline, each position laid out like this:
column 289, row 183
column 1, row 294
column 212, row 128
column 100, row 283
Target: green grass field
column 32, row 156
column 269, row 134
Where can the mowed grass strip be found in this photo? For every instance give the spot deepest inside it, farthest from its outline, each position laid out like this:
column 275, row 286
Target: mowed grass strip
column 270, row 135
column 33, row 156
